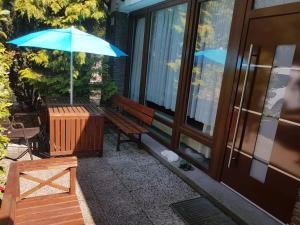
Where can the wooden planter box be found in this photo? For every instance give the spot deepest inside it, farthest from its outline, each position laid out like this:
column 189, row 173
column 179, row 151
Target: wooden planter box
column 76, row 129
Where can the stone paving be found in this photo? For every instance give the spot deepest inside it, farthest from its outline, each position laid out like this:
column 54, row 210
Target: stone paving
column 129, row 187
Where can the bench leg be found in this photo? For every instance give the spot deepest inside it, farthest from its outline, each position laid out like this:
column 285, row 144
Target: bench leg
column 119, row 141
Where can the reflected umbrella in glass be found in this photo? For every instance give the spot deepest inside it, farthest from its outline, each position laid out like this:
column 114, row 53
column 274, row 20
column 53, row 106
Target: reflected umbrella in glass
column 216, row 55
column 69, row 40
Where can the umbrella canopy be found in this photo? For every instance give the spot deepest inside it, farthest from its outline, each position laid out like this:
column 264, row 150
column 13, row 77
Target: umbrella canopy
column 70, row 40
column 216, row 55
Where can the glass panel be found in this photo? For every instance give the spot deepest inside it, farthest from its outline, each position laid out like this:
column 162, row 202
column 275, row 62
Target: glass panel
column 195, row 150
column 259, row 170
column 258, row 4
column 209, row 62
column 273, row 106
column 136, row 67
column 161, row 131
column 165, row 51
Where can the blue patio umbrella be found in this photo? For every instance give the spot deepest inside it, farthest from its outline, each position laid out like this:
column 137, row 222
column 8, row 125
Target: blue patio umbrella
column 70, row 40
column 216, row 55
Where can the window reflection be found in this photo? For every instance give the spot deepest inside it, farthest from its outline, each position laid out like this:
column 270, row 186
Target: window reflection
column 165, row 51
column 280, row 85
column 258, row 4
column 209, row 62
column 199, row 152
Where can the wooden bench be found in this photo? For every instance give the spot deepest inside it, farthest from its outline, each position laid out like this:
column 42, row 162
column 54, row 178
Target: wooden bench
column 19, row 208
column 129, row 119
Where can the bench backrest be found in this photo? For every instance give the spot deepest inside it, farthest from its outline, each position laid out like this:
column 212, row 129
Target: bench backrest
column 17, row 169
column 141, row 112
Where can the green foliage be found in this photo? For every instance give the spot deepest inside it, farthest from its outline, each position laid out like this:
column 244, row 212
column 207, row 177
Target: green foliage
column 5, row 90
column 45, row 73
column 107, row 85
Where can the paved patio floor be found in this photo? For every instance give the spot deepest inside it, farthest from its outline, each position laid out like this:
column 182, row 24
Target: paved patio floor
column 129, row 187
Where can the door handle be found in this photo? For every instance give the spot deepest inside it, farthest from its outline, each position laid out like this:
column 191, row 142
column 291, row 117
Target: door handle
column 240, row 107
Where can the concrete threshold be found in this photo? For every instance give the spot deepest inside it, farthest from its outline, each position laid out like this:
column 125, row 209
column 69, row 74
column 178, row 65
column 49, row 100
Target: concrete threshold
column 230, row 202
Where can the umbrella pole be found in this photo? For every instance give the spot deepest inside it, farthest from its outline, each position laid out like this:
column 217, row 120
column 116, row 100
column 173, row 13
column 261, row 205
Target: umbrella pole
column 71, row 79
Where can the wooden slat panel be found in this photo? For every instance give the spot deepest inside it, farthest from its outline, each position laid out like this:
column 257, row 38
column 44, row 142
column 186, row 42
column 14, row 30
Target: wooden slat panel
column 125, row 124
column 57, row 135
column 58, row 219
column 128, row 102
column 122, row 125
column 73, row 134
column 46, row 164
column 143, row 117
column 44, row 214
column 93, row 127
column 133, row 124
column 52, row 134
column 37, row 206
column 88, row 137
column 68, row 134
column 77, row 144
column 45, row 200
column 81, row 134
column 63, row 134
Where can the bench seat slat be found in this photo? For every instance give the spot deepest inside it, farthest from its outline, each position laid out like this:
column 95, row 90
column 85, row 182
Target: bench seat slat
column 130, row 123
column 125, row 124
column 60, row 209
column 121, row 124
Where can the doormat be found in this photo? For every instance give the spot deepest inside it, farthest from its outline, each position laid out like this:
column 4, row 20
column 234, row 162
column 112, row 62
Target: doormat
column 200, row 211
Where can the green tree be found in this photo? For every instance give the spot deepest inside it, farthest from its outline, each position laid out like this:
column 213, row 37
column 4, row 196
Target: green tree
column 5, row 90
column 41, row 73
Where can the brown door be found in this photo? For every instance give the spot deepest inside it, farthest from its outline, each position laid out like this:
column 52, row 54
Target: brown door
column 264, row 164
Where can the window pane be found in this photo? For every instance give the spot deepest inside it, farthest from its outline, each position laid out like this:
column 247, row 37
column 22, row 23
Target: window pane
column 258, row 4
column 137, row 59
column 161, row 131
column 165, row 50
column 275, row 101
column 209, row 61
column 195, row 150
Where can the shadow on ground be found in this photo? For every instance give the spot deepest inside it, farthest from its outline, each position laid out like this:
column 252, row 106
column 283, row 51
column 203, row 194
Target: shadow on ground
column 129, row 187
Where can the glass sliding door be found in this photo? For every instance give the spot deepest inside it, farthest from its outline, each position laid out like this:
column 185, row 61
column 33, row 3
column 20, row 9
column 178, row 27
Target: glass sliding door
column 137, row 57
column 164, row 61
column 210, row 52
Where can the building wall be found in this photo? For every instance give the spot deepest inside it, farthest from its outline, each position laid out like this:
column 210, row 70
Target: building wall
column 118, row 35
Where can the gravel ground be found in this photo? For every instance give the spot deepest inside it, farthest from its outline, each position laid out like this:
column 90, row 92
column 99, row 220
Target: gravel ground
column 129, row 187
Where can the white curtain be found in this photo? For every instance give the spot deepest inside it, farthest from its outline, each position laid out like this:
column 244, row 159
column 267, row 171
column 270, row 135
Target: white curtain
column 137, row 59
column 207, row 73
column 165, row 50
